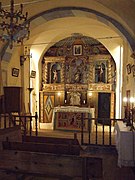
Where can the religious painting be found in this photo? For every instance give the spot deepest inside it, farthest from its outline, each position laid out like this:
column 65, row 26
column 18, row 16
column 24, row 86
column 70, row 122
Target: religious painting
column 70, row 121
column 33, row 74
column 15, row 72
column 77, row 50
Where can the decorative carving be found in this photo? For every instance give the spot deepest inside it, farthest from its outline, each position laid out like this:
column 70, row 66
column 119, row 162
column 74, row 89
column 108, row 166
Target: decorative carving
column 100, row 87
column 63, row 73
column 76, row 87
column 109, row 71
column 77, row 70
column 75, row 98
column 53, row 87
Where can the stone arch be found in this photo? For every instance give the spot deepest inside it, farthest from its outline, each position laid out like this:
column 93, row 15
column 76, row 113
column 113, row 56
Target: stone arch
column 58, row 13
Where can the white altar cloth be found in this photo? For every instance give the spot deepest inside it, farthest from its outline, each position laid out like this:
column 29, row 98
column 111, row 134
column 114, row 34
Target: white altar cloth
column 125, row 144
column 75, row 109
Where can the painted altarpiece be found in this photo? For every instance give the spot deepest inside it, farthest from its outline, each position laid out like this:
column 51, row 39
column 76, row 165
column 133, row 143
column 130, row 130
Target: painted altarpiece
column 75, row 75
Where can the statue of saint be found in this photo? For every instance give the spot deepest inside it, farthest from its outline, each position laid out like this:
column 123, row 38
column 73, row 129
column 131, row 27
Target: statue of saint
column 55, row 76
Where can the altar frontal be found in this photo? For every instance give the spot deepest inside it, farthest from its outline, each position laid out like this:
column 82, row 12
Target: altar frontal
column 71, row 121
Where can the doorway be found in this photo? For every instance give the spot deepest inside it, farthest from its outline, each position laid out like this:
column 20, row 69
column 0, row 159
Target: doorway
column 104, row 107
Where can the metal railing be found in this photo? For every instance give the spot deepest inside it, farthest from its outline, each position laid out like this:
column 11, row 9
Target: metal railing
column 94, row 131
column 98, row 131
column 26, row 122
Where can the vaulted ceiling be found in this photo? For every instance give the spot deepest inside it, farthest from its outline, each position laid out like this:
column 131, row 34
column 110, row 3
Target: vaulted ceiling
column 52, row 21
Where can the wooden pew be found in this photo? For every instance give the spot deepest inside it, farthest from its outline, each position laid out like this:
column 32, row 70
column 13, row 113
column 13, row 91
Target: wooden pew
column 43, row 147
column 54, row 140
column 51, row 165
column 49, row 160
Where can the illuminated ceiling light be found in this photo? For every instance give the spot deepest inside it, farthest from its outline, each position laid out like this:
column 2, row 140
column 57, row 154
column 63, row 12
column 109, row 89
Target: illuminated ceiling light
column 13, row 25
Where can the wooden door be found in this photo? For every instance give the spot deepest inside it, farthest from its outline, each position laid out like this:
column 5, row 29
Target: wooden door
column 12, row 99
column 104, row 107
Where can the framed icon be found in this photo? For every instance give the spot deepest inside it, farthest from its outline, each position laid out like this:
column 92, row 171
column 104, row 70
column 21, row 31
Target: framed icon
column 15, row 72
column 33, row 74
column 77, row 50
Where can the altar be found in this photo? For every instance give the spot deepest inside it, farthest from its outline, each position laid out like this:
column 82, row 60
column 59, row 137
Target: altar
column 125, row 144
column 69, row 117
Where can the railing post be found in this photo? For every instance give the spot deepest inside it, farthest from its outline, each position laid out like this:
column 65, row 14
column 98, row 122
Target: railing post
column 5, row 124
column 25, row 128
column 30, row 126
column 110, row 129
column 103, row 131
column 0, row 121
column 82, row 121
column 36, row 123
column 11, row 120
column 89, row 125
column 96, row 121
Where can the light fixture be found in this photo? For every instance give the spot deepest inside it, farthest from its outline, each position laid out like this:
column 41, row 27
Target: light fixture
column 25, row 56
column 13, row 24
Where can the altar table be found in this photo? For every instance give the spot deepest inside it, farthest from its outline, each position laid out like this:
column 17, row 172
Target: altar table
column 69, row 117
column 125, row 144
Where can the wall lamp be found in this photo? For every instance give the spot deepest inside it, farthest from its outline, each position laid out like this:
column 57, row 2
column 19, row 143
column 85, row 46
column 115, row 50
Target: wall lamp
column 26, row 55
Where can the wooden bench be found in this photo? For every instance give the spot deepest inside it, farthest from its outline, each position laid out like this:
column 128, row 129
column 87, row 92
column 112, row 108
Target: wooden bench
column 54, row 140
column 51, row 165
column 43, row 147
column 49, row 160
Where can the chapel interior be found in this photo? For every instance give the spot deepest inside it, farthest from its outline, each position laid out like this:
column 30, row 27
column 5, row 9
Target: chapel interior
column 67, row 62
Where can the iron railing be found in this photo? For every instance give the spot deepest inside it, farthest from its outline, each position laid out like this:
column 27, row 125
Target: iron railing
column 99, row 131
column 28, row 123
column 96, row 131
